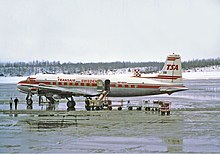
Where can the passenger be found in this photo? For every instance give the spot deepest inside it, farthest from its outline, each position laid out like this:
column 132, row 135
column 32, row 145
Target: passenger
column 10, row 102
column 16, row 102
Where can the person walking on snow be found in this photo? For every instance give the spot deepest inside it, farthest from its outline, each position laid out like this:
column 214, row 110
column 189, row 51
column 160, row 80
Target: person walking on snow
column 16, row 103
column 10, row 102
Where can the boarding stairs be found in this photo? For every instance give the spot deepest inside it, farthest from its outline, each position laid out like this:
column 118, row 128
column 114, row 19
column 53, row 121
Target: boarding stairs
column 99, row 102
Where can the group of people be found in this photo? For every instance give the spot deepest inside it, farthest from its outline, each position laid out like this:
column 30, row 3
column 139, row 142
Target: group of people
column 15, row 101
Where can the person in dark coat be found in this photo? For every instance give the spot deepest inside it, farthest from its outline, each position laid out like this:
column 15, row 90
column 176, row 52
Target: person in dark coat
column 16, row 102
column 10, row 102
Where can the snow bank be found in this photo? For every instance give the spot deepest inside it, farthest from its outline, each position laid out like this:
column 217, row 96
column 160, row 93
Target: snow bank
column 11, row 79
column 201, row 75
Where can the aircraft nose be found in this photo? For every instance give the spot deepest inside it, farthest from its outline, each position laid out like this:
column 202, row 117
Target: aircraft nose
column 19, row 86
column 22, row 87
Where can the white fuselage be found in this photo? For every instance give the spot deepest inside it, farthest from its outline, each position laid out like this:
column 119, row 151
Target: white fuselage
column 120, row 85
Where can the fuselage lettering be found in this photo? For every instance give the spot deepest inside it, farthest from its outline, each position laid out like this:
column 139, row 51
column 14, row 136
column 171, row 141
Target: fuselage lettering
column 88, row 81
column 65, row 80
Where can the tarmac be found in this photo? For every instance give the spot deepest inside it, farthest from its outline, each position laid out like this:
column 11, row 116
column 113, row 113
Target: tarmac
column 192, row 127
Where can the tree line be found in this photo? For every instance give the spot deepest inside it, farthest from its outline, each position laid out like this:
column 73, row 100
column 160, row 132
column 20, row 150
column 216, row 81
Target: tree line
column 34, row 67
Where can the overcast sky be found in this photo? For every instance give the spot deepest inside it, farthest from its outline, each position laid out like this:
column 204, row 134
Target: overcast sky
column 108, row 30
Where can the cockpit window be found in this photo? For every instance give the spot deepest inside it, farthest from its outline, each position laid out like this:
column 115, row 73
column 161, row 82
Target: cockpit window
column 31, row 79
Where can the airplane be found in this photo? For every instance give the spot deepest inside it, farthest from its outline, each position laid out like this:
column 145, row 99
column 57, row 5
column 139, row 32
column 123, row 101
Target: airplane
column 167, row 81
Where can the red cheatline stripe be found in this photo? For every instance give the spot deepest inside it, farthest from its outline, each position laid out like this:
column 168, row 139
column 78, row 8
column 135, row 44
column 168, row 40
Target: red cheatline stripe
column 119, row 85
column 112, row 85
column 132, row 86
column 94, row 84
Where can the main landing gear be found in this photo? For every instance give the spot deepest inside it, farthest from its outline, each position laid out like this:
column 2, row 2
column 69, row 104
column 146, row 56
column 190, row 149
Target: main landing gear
column 71, row 104
column 70, row 101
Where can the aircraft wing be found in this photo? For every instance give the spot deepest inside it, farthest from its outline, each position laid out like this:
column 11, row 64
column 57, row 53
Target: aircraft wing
column 172, row 89
column 65, row 91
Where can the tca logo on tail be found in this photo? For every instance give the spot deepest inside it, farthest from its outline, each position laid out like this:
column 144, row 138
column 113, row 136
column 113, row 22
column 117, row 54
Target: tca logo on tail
column 172, row 67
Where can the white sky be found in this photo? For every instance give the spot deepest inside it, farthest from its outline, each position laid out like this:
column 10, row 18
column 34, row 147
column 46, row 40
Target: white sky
column 108, row 30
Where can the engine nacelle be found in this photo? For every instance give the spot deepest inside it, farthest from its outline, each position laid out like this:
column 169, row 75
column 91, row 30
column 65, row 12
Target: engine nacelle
column 34, row 90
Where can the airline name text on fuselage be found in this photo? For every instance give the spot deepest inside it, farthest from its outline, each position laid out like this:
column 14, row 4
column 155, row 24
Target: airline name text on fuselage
column 74, row 80
column 65, row 80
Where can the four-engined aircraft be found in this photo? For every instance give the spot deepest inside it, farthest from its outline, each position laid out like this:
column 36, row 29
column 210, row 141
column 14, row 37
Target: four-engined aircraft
column 167, row 81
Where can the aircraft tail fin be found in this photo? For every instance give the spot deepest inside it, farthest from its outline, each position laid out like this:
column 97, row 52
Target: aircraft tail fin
column 172, row 69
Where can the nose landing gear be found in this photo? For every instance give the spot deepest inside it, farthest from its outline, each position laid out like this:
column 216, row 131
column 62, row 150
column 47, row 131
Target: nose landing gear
column 29, row 99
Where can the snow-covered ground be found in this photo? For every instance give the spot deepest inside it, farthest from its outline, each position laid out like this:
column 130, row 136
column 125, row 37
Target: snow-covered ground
column 201, row 75
column 11, row 79
column 186, row 75
column 211, row 72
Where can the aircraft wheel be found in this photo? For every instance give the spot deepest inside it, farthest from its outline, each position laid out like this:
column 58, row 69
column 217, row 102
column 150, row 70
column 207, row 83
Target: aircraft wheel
column 120, row 108
column 130, row 108
column 71, row 104
column 139, row 108
column 29, row 101
column 88, row 108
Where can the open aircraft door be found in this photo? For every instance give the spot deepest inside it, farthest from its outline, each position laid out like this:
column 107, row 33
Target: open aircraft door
column 103, row 86
column 107, row 85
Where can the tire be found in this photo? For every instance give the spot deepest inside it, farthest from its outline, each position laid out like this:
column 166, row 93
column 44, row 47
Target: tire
column 130, row 108
column 29, row 102
column 120, row 108
column 71, row 104
column 139, row 108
